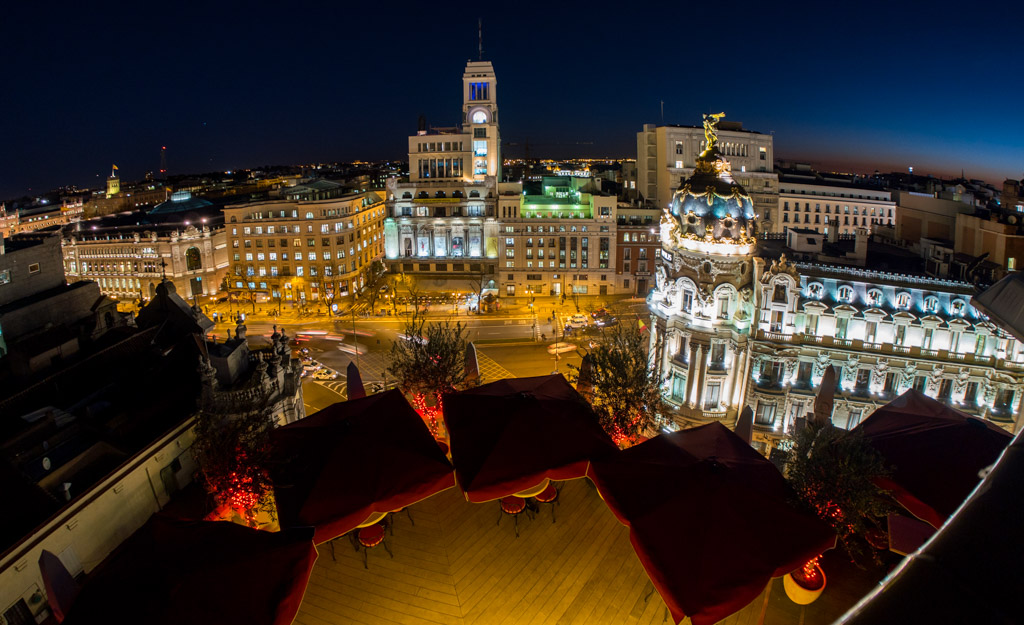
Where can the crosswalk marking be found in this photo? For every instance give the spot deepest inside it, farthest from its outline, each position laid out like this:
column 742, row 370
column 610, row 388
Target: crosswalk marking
column 491, row 370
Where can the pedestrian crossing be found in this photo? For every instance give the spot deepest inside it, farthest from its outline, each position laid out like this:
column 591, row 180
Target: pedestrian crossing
column 491, row 370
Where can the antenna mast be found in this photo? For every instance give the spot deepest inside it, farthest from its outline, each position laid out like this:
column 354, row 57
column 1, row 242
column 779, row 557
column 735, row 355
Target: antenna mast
column 480, row 38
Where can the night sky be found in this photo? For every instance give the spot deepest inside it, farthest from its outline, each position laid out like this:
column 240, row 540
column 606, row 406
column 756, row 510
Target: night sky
column 243, row 85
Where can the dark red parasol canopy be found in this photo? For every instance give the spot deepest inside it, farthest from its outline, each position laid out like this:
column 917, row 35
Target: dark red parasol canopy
column 936, row 453
column 709, row 518
column 509, row 435
column 337, row 467
column 173, row 572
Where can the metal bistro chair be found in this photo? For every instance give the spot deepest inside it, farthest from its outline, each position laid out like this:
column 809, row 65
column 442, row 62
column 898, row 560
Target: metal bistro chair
column 513, row 506
column 549, row 496
column 372, row 536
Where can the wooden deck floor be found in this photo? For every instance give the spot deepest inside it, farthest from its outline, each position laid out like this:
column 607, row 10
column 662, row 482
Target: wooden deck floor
column 455, row 566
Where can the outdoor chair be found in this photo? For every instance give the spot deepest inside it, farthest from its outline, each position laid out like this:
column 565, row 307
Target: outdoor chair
column 513, row 506
column 549, row 496
column 371, row 536
column 391, row 519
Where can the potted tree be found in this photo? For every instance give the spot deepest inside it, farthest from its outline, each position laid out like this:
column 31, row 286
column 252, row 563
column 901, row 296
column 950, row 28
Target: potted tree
column 620, row 383
column 429, row 361
column 832, row 472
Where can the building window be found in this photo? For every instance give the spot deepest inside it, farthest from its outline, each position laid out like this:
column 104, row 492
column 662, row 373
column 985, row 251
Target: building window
column 765, row 413
column 193, row 261
column 33, row 268
column 841, row 325
column 845, row 294
column 863, row 378
column 711, row 395
column 779, row 296
column 931, row 304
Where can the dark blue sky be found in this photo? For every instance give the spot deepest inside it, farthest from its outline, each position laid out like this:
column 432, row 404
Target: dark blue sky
column 230, row 86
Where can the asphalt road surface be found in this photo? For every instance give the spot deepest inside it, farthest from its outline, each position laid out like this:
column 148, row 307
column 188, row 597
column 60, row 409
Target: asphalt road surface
column 507, row 346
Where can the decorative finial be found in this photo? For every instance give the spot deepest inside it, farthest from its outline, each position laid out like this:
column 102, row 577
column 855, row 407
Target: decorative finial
column 163, row 268
column 711, row 131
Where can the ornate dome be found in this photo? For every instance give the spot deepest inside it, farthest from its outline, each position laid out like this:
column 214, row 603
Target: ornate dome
column 711, row 203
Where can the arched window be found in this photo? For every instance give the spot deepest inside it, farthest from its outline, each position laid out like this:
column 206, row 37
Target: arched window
column 875, row 297
column 309, row 215
column 845, row 294
column 193, row 260
column 902, row 300
column 931, row 304
column 957, row 307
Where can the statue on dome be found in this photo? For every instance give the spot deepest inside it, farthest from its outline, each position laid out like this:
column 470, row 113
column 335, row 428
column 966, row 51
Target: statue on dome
column 711, row 131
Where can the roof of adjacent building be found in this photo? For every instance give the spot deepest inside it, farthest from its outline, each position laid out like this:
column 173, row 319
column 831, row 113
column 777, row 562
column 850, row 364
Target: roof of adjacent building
column 181, row 202
column 1004, row 303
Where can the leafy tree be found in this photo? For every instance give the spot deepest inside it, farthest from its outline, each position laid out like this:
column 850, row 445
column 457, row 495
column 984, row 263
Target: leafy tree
column 428, row 362
column 375, row 279
column 626, row 391
column 832, row 472
column 232, row 453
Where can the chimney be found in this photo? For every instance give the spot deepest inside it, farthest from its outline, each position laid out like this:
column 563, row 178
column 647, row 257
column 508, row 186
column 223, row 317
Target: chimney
column 833, row 230
column 860, row 246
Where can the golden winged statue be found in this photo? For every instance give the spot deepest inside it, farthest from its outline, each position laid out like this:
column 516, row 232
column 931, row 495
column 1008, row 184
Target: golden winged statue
column 711, row 130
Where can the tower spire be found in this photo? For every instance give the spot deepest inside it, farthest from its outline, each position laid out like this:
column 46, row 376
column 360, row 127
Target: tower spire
column 480, row 38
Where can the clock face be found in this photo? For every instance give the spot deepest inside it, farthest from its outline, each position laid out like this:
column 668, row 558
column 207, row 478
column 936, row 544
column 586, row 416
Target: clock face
column 479, row 117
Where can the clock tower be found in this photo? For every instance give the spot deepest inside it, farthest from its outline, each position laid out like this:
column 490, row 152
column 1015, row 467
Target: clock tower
column 480, row 119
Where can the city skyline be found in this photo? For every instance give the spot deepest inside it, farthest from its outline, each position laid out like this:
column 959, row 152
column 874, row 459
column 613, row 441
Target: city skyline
column 223, row 90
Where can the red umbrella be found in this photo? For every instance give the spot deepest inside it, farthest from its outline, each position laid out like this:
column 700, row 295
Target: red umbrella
column 173, row 572
column 509, row 436
column 354, row 459
column 709, row 518
column 936, row 453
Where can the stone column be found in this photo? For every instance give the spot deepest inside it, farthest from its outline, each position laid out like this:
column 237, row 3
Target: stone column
column 691, row 371
column 702, row 367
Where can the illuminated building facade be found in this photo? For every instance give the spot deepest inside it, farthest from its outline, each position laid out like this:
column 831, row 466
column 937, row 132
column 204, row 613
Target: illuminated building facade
column 441, row 223
column 667, row 155
column 128, row 255
column 730, row 330
column 113, row 183
column 702, row 307
column 637, row 248
column 820, row 203
column 884, row 333
column 294, row 251
column 557, row 237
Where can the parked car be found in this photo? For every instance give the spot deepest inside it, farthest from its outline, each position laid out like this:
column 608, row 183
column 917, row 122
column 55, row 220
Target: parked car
column 578, row 321
column 600, row 312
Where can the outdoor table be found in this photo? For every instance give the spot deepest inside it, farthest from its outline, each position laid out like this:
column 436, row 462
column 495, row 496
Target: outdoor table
column 536, row 490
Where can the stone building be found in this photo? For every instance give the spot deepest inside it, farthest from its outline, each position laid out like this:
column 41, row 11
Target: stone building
column 702, row 307
column 730, row 329
column 441, row 224
column 297, row 252
column 884, row 333
column 557, row 237
column 183, row 239
column 667, row 155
